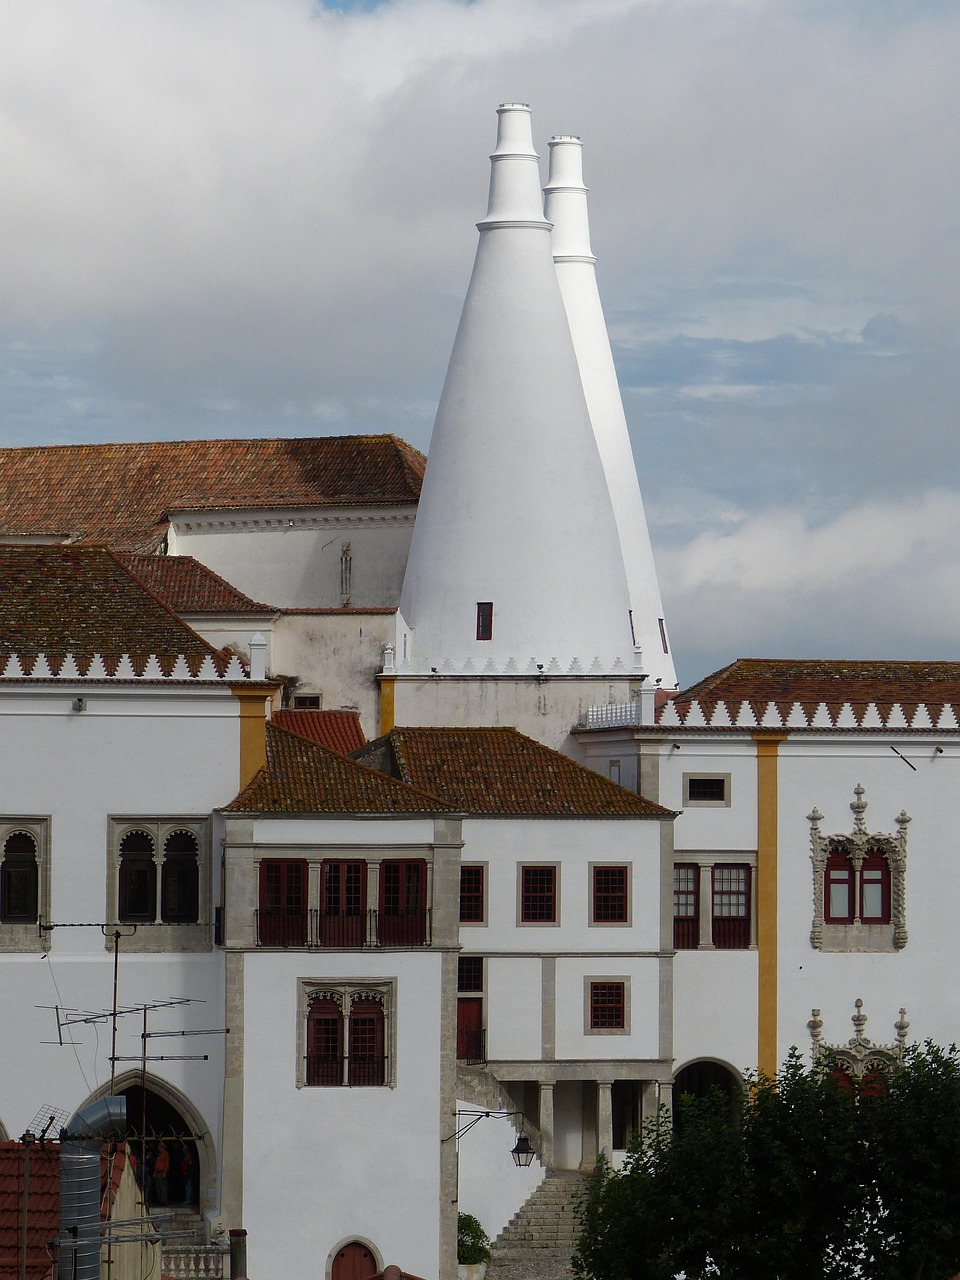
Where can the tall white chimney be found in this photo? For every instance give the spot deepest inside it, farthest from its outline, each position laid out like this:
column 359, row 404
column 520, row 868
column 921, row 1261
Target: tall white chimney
column 566, row 208
column 515, row 563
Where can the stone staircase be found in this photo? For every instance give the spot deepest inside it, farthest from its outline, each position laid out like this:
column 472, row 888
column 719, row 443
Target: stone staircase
column 539, row 1240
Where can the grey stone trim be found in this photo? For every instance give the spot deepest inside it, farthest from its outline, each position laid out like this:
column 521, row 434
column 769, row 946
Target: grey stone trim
column 548, row 1005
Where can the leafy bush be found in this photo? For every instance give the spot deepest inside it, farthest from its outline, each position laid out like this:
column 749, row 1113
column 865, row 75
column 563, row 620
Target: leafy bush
column 473, row 1243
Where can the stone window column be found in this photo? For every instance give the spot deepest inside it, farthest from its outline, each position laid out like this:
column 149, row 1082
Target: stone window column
column 605, row 1119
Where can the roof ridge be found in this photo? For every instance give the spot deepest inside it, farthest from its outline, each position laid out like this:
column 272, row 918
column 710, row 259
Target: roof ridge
column 150, row 592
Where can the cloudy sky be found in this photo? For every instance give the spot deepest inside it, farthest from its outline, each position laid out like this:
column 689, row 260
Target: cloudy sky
column 256, row 217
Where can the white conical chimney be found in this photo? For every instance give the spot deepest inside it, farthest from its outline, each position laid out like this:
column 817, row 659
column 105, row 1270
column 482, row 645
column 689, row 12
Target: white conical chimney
column 566, row 208
column 515, row 537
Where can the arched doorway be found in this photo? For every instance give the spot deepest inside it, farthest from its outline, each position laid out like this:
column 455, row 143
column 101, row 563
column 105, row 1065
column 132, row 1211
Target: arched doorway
column 160, row 1113
column 353, row 1261
column 155, row 1126
column 700, row 1078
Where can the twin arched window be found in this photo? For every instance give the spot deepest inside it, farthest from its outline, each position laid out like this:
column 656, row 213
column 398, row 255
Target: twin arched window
column 345, row 1049
column 179, row 876
column 856, row 893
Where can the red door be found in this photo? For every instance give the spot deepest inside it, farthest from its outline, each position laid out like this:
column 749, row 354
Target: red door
column 282, row 919
column 470, row 1029
column 353, row 1262
column 403, row 896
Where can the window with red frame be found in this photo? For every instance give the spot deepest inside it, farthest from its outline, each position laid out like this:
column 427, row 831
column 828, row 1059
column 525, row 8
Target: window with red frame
column 608, row 1006
column 324, row 1043
column 875, row 889
column 403, row 903
column 366, row 1064
column 610, row 895
column 686, row 906
column 731, row 907
column 838, row 893
column 282, row 915
column 343, row 904
column 538, row 895
column 471, row 895
column 484, row 619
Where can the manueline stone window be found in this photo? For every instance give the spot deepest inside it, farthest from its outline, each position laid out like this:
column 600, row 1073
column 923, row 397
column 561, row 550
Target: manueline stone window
column 159, row 875
column 24, row 883
column 347, row 1034
column 859, row 884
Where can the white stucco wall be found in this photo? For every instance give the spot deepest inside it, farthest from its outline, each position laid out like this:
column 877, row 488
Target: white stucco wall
column 147, row 752
column 326, row 1165
column 491, row 1187
column 292, row 558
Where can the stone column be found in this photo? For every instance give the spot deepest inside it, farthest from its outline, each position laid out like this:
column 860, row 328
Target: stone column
column 706, row 906
column 605, row 1119
column 546, row 1125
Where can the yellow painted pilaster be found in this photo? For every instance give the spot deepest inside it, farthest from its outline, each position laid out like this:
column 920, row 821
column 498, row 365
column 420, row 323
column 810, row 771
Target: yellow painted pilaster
column 768, row 747
column 253, row 731
column 388, row 685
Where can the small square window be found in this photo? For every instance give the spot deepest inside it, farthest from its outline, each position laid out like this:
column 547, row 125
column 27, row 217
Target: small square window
column 706, row 789
column 472, row 896
column 484, row 619
column 306, row 702
column 538, row 894
column 607, row 1005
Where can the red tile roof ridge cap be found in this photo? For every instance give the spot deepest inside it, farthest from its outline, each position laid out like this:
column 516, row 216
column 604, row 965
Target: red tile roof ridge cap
column 119, row 445
column 335, row 609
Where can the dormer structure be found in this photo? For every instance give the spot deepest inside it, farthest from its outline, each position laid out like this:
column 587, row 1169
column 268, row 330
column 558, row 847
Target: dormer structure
column 565, row 207
column 514, row 567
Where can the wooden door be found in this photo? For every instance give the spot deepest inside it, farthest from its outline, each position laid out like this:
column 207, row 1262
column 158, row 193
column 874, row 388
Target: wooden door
column 353, row 1262
column 343, row 904
column 470, row 1029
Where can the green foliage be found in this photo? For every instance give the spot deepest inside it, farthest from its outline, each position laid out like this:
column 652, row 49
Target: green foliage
column 804, row 1181
column 473, row 1243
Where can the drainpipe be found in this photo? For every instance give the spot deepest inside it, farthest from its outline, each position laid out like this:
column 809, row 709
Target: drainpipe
column 80, row 1142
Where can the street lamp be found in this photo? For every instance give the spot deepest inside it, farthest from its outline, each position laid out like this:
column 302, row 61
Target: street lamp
column 522, row 1152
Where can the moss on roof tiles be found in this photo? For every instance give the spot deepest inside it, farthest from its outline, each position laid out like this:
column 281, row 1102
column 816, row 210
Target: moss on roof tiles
column 339, row 731
column 120, row 494
column 501, row 772
column 303, row 777
column 82, row 600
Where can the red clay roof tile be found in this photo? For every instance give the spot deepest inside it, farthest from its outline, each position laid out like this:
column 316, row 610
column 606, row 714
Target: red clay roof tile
column 120, row 494
column 187, row 586
column 501, row 772
column 809, row 682
column 303, row 777
column 338, row 731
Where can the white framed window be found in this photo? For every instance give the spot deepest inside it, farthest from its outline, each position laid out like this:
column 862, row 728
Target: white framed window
column 24, row 883
column 606, row 1006
column 346, row 1033
column 158, row 874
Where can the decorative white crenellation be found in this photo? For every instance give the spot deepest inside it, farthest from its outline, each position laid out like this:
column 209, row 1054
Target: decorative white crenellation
column 694, row 715
column 148, row 668
column 565, row 206
column 515, row 514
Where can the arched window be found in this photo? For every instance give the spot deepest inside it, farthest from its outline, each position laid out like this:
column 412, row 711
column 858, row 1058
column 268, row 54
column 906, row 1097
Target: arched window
column 366, row 1064
column 875, row 889
column 138, row 878
column 19, row 879
column 324, row 1043
column 838, row 895
column 180, row 879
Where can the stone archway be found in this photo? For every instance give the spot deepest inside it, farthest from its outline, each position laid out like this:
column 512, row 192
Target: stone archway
column 699, row 1078
column 170, row 1116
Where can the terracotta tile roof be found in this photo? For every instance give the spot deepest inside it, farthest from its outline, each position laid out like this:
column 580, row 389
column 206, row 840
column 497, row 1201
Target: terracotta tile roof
column 338, row 731
column 303, row 777
column 43, row 1208
column 503, row 773
column 81, row 600
column 120, row 494
column 43, row 1212
column 187, row 586
column 784, row 681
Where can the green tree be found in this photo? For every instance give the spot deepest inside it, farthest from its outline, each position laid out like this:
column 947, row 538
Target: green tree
column 808, row 1179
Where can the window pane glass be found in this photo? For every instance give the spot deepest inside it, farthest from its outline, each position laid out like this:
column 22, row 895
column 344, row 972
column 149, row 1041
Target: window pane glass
column 872, row 895
column 839, row 898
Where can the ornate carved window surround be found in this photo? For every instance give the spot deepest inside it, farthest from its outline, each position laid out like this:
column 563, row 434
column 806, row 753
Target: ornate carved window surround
column 853, row 920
